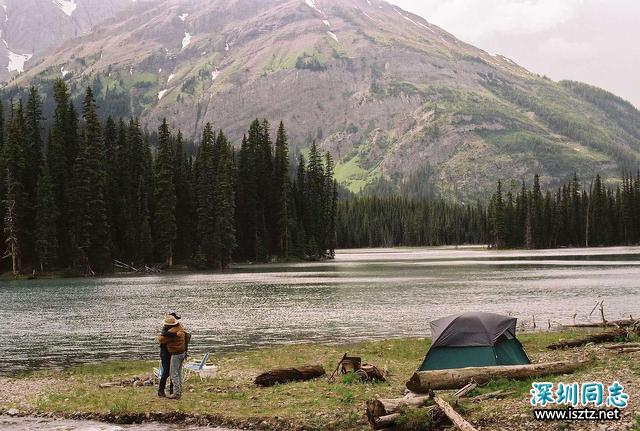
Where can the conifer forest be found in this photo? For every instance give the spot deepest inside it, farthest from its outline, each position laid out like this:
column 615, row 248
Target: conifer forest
column 89, row 196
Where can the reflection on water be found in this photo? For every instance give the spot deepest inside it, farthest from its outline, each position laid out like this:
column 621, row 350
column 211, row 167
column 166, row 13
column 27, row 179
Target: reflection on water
column 362, row 294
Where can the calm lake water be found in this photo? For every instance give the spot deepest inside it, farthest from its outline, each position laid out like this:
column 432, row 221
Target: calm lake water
column 363, row 294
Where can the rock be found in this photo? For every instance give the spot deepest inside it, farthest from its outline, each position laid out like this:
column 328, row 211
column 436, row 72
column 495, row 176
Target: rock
column 148, row 382
column 138, row 383
column 13, row 412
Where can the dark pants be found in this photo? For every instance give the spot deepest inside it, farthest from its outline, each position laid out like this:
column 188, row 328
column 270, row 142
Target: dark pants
column 165, row 358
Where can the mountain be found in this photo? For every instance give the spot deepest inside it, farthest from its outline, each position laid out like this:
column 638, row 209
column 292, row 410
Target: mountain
column 33, row 28
column 387, row 92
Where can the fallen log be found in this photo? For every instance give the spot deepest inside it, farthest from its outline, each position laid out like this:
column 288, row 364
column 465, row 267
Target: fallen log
column 603, row 337
column 490, row 395
column 465, row 391
column 386, row 421
column 423, row 381
column 622, row 346
column 610, row 323
column 455, row 417
column 285, row 375
column 629, row 350
column 382, row 407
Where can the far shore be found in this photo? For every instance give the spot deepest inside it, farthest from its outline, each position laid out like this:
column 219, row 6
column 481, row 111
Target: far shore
column 370, row 252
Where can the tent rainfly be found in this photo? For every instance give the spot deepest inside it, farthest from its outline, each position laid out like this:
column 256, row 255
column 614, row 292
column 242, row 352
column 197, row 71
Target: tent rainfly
column 474, row 339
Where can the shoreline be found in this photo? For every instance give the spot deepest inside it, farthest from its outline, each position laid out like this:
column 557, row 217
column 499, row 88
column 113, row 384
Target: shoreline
column 184, row 269
column 232, row 400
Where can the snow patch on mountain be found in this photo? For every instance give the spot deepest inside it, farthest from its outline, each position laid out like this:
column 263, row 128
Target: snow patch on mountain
column 418, row 24
column 183, row 16
column 327, row 23
column 171, row 77
column 215, row 74
column 6, row 14
column 17, row 61
column 161, row 94
column 64, row 72
column 226, row 46
column 186, row 40
column 369, row 16
column 312, row 5
column 66, row 6
column 333, row 36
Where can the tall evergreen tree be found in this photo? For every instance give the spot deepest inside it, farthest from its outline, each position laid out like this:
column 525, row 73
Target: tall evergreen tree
column 205, row 192
column 46, row 227
column 16, row 205
column 91, row 236
column 224, row 234
column 247, row 208
column 281, row 192
column 165, row 196
column 185, row 212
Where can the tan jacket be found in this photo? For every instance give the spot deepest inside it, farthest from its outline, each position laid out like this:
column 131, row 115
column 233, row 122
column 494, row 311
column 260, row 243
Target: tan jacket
column 175, row 345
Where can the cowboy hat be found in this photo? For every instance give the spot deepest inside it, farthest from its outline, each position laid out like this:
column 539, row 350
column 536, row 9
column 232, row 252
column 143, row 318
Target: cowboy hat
column 170, row 320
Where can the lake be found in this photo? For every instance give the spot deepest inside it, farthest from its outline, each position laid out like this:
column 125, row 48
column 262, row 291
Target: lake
column 363, row 294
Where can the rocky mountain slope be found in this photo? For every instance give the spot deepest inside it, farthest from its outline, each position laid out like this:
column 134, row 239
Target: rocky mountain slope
column 33, row 28
column 385, row 91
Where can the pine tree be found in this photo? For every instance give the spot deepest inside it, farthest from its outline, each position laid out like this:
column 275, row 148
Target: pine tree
column 315, row 185
column 112, row 185
column 331, row 202
column 225, row 202
column 91, row 237
column 498, row 218
column 246, row 210
column 12, row 241
column 185, row 213
column 205, row 192
column 46, row 223
column 536, row 213
column 33, row 165
column 281, row 192
column 300, row 197
column 61, row 157
column 16, row 204
column 165, row 196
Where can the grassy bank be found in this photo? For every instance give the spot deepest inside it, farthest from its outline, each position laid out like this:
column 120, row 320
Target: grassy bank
column 232, row 399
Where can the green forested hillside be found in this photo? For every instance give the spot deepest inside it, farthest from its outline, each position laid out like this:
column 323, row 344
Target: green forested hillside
column 84, row 195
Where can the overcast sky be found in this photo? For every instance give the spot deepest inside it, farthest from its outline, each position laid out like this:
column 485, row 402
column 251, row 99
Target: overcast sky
column 595, row 41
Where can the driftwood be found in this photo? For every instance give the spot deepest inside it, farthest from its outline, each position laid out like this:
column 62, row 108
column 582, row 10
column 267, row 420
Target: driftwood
column 455, row 417
column 610, row 323
column 423, row 381
column 621, row 346
column 465, row 391
column 383, row 407
column 490, row 395
column 386, row 421
column 306, row 372
column 629, row 350
column 603, row 337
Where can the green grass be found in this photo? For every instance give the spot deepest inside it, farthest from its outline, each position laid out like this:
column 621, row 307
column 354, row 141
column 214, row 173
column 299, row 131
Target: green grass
column 317, row 404
column 279, row 61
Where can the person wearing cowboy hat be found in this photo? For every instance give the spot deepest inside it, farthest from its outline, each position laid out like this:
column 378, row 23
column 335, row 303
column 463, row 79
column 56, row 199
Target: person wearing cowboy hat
column 165, row 358
column 173, row 337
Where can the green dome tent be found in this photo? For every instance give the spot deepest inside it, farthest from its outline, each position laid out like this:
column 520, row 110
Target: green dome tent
column 473, row 339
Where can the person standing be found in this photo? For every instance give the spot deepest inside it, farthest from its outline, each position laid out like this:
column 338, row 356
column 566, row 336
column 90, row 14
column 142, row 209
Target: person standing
column 165, row 359
column 175, row 343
